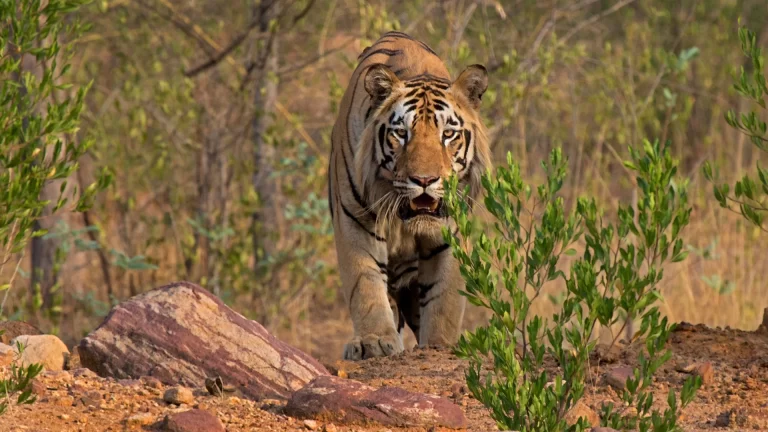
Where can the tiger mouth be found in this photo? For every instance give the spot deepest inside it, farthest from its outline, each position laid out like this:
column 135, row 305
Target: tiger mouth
column 422, row 205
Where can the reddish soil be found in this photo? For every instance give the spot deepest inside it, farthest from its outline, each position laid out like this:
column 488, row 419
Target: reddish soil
column 735, row 397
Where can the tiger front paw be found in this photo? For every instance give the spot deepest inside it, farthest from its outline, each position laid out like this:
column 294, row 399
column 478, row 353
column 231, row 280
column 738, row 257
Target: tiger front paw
column 373, row 345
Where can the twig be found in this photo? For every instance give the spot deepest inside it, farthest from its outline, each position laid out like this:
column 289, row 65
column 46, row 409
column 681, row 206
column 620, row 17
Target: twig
column 594, row 19
column 10, row 283
column 216, row 59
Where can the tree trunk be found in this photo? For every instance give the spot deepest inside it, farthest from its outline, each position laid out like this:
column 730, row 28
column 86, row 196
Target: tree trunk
column 264, row 219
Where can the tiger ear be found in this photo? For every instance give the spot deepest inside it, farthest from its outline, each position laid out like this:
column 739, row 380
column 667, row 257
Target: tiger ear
column 472, row 83
column 379, row 82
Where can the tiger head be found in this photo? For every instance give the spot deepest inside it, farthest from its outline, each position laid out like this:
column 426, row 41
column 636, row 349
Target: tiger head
column 422, row 131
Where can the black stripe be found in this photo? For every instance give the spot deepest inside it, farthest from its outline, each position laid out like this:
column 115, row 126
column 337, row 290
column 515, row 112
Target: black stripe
column 382, row 136
column 412, row 92
column 434, row 252
column 402, row 35
column 354, row 288
column 403, row 273
column 382, row 266
column 330, row 197
column 452, row 122
column 467, row 140
column 461, row 120
column 411, row 101
column 440, row 104
column 360, row 201
column 368, row 113
column 399, row 34
column 436, row 80
column 437, row 93
column 349, row 215
column 424, row 303
column 424, row 289
column 389, row 52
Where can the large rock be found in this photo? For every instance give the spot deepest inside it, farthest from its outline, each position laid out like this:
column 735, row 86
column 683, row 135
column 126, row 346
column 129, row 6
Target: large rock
column 194, row 420
column 182, row 334
column 335, row 399
column 12, row 329
column 47, row 350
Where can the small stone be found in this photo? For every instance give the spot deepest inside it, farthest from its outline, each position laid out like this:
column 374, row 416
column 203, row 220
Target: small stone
column 83, row 373
column 310, row 424
column 152, row 382
column 179, row 395
column 63, row 416
column 64, row 401
column 723, row 419
column 617, row 377
column 706, row 372
column 91, row 398
column 330, row 427
column 38, row 388
column 140, row 419
column 129, row 382
column 684, row 327
column 606, row 353
column 581, row 410
column 194, row 420
column 458, row 389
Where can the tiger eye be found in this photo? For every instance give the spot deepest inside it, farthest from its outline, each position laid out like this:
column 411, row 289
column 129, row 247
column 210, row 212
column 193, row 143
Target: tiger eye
column 448, row 133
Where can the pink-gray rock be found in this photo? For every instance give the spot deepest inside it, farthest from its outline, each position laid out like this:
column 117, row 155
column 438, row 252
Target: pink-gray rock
column 617, row 377
column 334, row 399
column 181, row 334
column 194, row 420
column 12, row 329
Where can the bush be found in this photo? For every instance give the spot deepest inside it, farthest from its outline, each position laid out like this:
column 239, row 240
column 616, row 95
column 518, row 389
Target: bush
column 749, row 195
column 614, row 277
column 18, row 384
column 37, row 124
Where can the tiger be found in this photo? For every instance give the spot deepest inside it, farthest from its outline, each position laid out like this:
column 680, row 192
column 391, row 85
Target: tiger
column 403, row 126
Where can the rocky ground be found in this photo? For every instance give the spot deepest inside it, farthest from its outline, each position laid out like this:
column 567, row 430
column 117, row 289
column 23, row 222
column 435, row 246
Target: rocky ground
column 733, row 365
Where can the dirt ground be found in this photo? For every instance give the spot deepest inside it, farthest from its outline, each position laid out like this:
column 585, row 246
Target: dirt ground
column 735, row 397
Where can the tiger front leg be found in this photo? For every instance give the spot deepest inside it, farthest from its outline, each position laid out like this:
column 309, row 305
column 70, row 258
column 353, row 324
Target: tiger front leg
column 442, row 306
column 364, row 281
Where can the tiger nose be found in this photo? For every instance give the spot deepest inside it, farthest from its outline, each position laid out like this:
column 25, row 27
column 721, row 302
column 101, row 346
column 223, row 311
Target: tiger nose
column 423, row 181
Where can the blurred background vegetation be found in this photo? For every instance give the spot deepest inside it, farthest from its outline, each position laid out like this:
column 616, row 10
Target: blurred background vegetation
column 214, row 118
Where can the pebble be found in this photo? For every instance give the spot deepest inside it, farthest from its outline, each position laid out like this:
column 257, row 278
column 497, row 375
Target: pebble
column 310, row 424
column 140, row 419
column 617, row 377
column 179, row 395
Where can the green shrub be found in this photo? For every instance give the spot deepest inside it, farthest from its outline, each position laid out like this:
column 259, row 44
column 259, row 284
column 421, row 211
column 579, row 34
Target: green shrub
column 18, row 384
column 39, row 120
column 613, row 278
column 749, row 194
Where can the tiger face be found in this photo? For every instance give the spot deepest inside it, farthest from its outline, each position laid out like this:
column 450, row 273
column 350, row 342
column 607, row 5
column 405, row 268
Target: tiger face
column 424, row 130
